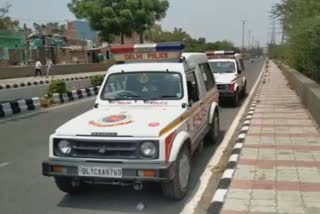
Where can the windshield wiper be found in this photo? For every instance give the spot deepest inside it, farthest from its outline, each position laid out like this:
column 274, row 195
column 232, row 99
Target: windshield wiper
column 127, row 97
column 161, row 97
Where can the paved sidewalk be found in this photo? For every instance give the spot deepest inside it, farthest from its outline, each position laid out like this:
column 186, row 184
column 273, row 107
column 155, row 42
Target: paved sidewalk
column 35, row 79
column 279, row 166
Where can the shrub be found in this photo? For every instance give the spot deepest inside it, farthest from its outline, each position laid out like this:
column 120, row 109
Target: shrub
column 57, row 86
column 96, row 80
column 46, row 101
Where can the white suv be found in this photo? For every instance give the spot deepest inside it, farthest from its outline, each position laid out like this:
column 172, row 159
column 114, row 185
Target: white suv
column 149, row 118
column 228, row 69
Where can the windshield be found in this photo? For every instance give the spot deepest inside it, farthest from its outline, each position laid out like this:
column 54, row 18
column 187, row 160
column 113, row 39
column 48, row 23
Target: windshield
column 223, row 67
column 143, row 86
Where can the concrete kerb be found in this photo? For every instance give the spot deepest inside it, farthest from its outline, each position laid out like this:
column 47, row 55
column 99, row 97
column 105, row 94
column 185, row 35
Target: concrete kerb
column 19, row 106
column 41, row 82
column 225, row 181
column 75, row 95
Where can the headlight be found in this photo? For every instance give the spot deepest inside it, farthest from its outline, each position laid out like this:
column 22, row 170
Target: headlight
column 148, row 149
column 65, row 147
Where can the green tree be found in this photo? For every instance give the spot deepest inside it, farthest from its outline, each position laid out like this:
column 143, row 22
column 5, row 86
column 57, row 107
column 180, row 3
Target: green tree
column 301, row 25
column 120, row 17
column 6, row 23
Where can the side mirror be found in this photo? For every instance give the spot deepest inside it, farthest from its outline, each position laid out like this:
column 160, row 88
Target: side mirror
column 239, row 71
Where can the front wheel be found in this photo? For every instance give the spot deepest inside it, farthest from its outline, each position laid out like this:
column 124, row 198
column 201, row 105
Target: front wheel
column 177, row 188
column 236, row 99
column 68, row 186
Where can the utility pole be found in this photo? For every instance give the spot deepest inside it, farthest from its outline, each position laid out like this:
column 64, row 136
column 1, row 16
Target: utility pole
column 249, row 42
column 243, row 28
column 27, row 44
column 273, row 34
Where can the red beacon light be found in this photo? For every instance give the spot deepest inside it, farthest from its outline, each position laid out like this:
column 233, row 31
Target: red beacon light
column 148, row 52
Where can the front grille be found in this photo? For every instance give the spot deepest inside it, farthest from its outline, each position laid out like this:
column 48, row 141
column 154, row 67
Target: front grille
column 103, row 150
column 223, row 87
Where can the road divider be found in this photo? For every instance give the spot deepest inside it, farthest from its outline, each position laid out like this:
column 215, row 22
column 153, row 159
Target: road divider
column 75, row 95
column 41, row 82
column 36, row 103
column 19, row 106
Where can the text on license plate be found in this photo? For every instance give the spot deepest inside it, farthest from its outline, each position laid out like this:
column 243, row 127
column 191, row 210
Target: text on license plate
column 104, row 172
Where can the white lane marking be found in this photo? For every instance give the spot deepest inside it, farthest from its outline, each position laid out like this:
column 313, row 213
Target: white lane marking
column 193, row 202
column 71, row 103
column 4, row 164
column 27, row 114
column 219, row 195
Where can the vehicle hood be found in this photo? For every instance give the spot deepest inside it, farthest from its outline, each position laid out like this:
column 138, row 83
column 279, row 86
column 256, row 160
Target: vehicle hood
column 225, row 78
column 137, row 122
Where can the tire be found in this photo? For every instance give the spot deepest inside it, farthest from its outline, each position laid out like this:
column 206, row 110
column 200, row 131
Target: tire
column 177, row 188
column 236, row 99
column 213, row 134
column 65, row 185
column 244, row 90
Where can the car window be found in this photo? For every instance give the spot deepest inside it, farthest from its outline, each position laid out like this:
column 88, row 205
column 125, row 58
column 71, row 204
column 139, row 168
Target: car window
column 207, row 76
column 143, row 86
column 223, row 67
column 193, row 88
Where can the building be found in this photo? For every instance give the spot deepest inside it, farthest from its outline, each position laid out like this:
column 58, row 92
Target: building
column 12, row 47
column 80, row 31
column 134, row 39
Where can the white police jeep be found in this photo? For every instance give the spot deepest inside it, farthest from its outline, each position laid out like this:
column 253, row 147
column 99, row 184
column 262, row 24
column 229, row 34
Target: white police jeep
column 150, row 116
column 228, row 69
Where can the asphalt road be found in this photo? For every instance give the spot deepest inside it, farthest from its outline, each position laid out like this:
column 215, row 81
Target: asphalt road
column 24, row 145
column 38, row 90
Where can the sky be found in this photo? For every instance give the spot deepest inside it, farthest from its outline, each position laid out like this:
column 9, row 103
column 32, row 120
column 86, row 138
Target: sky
column 213, row 19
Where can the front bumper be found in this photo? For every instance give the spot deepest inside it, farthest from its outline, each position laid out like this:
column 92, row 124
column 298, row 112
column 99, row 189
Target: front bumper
column 130, row 172
column 226, row 94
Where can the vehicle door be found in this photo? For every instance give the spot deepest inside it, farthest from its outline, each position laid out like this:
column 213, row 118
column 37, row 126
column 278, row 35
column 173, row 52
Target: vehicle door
column 209, row 90
column 240, row 75
column 194, row 104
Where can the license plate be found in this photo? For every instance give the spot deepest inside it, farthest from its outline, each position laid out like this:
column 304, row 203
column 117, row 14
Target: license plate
column 103, row 172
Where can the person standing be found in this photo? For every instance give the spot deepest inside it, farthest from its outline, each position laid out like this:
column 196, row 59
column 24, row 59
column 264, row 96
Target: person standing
column 49, row 65
column 38, row 68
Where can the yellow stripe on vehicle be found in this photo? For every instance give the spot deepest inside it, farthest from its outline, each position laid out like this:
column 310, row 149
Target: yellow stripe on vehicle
column 187, row 114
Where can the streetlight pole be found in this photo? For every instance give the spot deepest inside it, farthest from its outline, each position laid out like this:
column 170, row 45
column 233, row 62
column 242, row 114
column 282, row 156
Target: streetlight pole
column 249, row 42
column 243, row 27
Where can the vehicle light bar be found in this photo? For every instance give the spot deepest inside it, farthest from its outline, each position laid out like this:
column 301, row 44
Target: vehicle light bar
column 209, row 53
column 147, row 52
column 220, row 54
